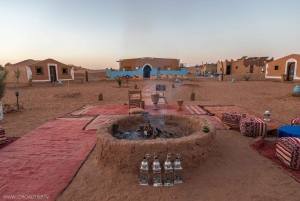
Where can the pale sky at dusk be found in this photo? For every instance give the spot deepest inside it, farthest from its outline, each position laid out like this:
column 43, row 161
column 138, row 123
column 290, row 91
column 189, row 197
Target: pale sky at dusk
column 95, row 34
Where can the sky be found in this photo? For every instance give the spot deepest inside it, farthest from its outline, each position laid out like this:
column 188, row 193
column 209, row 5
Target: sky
column 95, row 34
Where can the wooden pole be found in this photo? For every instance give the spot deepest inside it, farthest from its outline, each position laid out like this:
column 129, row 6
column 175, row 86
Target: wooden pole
column 222, row 71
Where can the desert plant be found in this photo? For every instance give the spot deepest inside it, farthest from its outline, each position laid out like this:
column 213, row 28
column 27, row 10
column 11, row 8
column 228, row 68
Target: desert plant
column 17, row 74
column 119, row 81
column 3, row 75
column 247, row 78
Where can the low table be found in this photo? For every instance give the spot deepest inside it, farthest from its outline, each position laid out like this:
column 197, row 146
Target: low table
column 289, row 131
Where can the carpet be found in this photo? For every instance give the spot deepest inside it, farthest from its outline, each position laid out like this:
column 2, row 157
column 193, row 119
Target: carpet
column 98, row 121
column 83, row 110
column 44, row 161
column 108, row 110
column 268, row 150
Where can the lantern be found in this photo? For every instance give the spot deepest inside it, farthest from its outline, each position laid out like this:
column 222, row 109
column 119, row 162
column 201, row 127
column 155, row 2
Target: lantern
column 177, row 171
column 192, row 96
column 267, row 115
column 168, row 172
column 17, row 95
column 100, row 96
column 156, row 172
column 144, row 172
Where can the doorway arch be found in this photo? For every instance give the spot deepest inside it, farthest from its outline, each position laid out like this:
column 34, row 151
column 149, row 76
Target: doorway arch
column 146, row 71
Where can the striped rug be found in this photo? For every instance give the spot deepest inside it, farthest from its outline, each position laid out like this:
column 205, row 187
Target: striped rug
column 83, row 110
column 98, row 121
column 195, row 109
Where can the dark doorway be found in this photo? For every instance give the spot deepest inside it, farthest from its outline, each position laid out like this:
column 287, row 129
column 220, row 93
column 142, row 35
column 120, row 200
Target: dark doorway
column 228, row 70
column 52, row 74
column 290, row 71
column 251, row 69
column 147, row 70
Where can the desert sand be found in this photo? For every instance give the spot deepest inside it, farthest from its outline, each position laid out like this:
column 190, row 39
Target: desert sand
column 234, row 172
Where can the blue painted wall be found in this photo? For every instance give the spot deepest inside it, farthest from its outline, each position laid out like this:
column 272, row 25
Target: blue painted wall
column 140, row 73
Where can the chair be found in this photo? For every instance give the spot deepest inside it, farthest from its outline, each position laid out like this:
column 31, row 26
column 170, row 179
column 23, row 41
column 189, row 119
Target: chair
column 161, row 89
column 134, row 99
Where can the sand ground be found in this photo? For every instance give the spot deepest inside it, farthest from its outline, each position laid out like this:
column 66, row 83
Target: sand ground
column 234, row 172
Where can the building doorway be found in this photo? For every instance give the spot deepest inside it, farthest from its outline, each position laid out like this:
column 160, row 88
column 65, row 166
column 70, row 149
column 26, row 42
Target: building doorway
column 147, row 70
column 228, row 70
column 251, row 69
column 52, row 73
column 290, row 71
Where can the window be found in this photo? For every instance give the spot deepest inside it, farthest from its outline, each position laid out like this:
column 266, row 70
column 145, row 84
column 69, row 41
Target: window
column 64, row 70
column 236, row 67
column 276, row 67
column 127, row 68
column 39, row 70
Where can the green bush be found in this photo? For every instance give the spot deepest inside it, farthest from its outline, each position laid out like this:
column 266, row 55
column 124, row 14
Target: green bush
column 119, row 81
column 247, row 78
column 3, row 75
column 17, row 74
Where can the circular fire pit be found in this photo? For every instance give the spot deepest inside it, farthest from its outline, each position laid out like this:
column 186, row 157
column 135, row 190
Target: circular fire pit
column 193, row 145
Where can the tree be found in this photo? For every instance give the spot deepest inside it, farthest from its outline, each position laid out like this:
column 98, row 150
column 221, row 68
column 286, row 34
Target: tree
column 181, row 65
column 3, row 75
column 7, row 64
column 17, row 74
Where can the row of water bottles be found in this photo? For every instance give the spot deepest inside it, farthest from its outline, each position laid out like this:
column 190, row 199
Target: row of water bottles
column 172, row 173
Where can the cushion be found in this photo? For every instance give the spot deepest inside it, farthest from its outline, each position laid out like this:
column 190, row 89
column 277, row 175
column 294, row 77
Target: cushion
column 247, row 126
column 288, row 151
column 253, row 127
column 260, row 127
column 136, row 110
column 295, row 121
column 232, row 119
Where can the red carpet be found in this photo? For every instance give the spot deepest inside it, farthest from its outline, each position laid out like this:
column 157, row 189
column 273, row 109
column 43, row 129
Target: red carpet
column 44, row 161
column 109, row 110
column 268, row 150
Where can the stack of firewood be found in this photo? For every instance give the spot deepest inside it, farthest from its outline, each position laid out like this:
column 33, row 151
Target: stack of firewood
column 153, row 132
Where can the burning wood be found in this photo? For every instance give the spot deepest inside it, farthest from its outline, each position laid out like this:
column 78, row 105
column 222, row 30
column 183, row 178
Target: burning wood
column 153, row 132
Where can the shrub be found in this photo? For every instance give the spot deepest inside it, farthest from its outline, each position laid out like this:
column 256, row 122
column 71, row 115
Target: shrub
column 3, row 75
column 119, row 81
column 247, row 78
column 17, row 74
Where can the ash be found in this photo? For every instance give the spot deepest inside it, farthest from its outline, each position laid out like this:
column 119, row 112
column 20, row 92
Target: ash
column 139, row 135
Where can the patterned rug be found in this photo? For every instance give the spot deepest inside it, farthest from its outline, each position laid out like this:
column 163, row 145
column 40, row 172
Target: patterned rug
column 83, row 110
column 195, row 109
column 98, row 121
column 268, row 150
